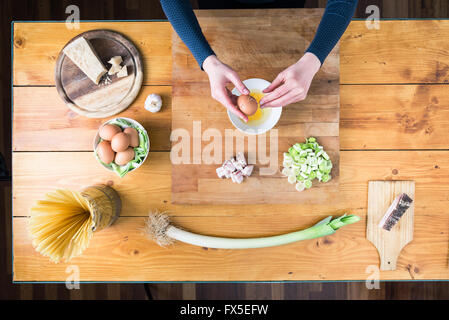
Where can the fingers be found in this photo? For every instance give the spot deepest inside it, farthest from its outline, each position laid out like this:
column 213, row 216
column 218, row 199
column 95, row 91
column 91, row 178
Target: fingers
column 238, row 113
column 224, row 97
column 276, row 82
column 276, row 94
column 234, row 78
column 285, row 100
column 233, row 97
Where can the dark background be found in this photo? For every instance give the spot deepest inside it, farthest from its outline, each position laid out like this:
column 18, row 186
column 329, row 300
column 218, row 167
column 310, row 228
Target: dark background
column 150, row 9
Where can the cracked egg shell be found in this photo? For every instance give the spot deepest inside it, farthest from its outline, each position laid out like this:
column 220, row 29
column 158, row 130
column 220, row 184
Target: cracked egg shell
column 247, row 104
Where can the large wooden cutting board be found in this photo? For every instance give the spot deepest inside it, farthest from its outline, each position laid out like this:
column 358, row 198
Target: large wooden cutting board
column 257, row 44
column 85, row 97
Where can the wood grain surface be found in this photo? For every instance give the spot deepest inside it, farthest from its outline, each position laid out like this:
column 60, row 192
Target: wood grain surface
column 122, row 252
column 389, row 244
column 255, row 40
column 416, row 46
column 381, row 110
column 430, row 170
column 410, row 116
column 42, row 122
column 426, row 253
column 401, row 51
column 37, row 46
column 406, row 116
column 85, row 97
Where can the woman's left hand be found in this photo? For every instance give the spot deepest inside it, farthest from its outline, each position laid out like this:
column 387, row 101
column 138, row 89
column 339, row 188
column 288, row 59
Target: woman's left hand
column 292, row 84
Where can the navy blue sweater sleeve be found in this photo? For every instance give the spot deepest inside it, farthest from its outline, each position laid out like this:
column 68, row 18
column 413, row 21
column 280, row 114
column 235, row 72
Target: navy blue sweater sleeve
column 336, row 18
column 183, row 20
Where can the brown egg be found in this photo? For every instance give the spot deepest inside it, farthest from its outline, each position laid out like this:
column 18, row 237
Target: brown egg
column 133, row 137
column 107, row 132
column 120, row 142
column 122, row 158
column 105, row 152
column 247, row 104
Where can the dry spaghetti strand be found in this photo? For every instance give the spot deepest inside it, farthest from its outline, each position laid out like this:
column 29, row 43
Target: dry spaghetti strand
column 61, row 225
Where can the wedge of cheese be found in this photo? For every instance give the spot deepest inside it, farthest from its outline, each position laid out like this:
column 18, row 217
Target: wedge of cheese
column 83, row 55
column 123, row 72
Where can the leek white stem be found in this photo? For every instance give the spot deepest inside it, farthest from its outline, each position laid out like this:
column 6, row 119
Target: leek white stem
column 160, row 230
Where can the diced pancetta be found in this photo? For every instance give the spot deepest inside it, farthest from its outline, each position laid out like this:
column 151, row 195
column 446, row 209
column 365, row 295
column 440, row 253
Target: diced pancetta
column 241, row 159
column 235, row 168
column 248, row 170
column 237, row 177
column 221, row 172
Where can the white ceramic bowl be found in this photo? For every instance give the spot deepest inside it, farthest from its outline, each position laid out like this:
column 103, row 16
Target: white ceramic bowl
column 268, row 124
column 136, row 124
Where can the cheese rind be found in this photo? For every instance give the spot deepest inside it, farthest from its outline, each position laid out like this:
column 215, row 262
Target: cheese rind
column 81, row 52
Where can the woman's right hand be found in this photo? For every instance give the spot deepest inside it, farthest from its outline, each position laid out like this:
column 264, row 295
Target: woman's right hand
column 220, row 75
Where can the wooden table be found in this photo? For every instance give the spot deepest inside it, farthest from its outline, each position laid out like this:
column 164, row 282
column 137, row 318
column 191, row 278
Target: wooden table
column 394, row 126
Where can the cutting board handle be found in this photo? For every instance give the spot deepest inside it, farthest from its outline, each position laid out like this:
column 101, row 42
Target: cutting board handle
column 389, row 254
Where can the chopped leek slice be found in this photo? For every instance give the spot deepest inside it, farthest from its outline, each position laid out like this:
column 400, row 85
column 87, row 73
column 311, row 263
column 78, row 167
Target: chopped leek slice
column 307, row 184
column 305, row 162
column 299, row 186
column 286, row 172
column 292, row 179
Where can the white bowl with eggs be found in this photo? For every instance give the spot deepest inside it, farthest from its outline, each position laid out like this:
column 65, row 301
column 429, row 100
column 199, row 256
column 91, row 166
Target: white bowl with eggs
column 264, row 119
column 134, row 124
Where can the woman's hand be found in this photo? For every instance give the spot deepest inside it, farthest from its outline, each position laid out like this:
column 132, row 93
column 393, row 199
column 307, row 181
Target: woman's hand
column 220, row 75
column 292, row 84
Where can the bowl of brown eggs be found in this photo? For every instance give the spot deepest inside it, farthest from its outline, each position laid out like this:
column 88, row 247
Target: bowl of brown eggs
column 121, row 145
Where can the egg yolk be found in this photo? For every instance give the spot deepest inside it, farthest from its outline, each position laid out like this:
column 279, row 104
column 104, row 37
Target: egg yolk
column 258, row 114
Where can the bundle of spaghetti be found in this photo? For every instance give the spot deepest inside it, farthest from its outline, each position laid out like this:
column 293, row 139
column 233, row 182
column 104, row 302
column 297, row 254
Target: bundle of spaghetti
column 61, row 225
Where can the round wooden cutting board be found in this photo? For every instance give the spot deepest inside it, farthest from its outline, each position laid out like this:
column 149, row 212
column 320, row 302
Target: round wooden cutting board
column 86, row 98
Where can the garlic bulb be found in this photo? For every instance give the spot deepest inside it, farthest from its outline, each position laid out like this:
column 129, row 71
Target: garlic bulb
column 153, row 103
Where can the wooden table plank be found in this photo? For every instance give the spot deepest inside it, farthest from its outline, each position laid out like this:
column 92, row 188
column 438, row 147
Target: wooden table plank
column 152, row 182
column 121, row 253
column 401, row 51
column 412, row 116
column 394, row 117
column 415, row 52
column 42, row 122
column 37, row 46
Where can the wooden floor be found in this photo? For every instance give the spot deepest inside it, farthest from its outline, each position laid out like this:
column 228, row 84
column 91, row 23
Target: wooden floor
column 145, row 9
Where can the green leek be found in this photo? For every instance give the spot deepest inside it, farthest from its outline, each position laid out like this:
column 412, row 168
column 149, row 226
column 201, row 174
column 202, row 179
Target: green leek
column 159, row 229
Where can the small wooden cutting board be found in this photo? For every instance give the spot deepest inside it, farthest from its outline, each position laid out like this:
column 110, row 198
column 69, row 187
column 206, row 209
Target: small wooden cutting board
column 389, row 243
column 86, row 98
